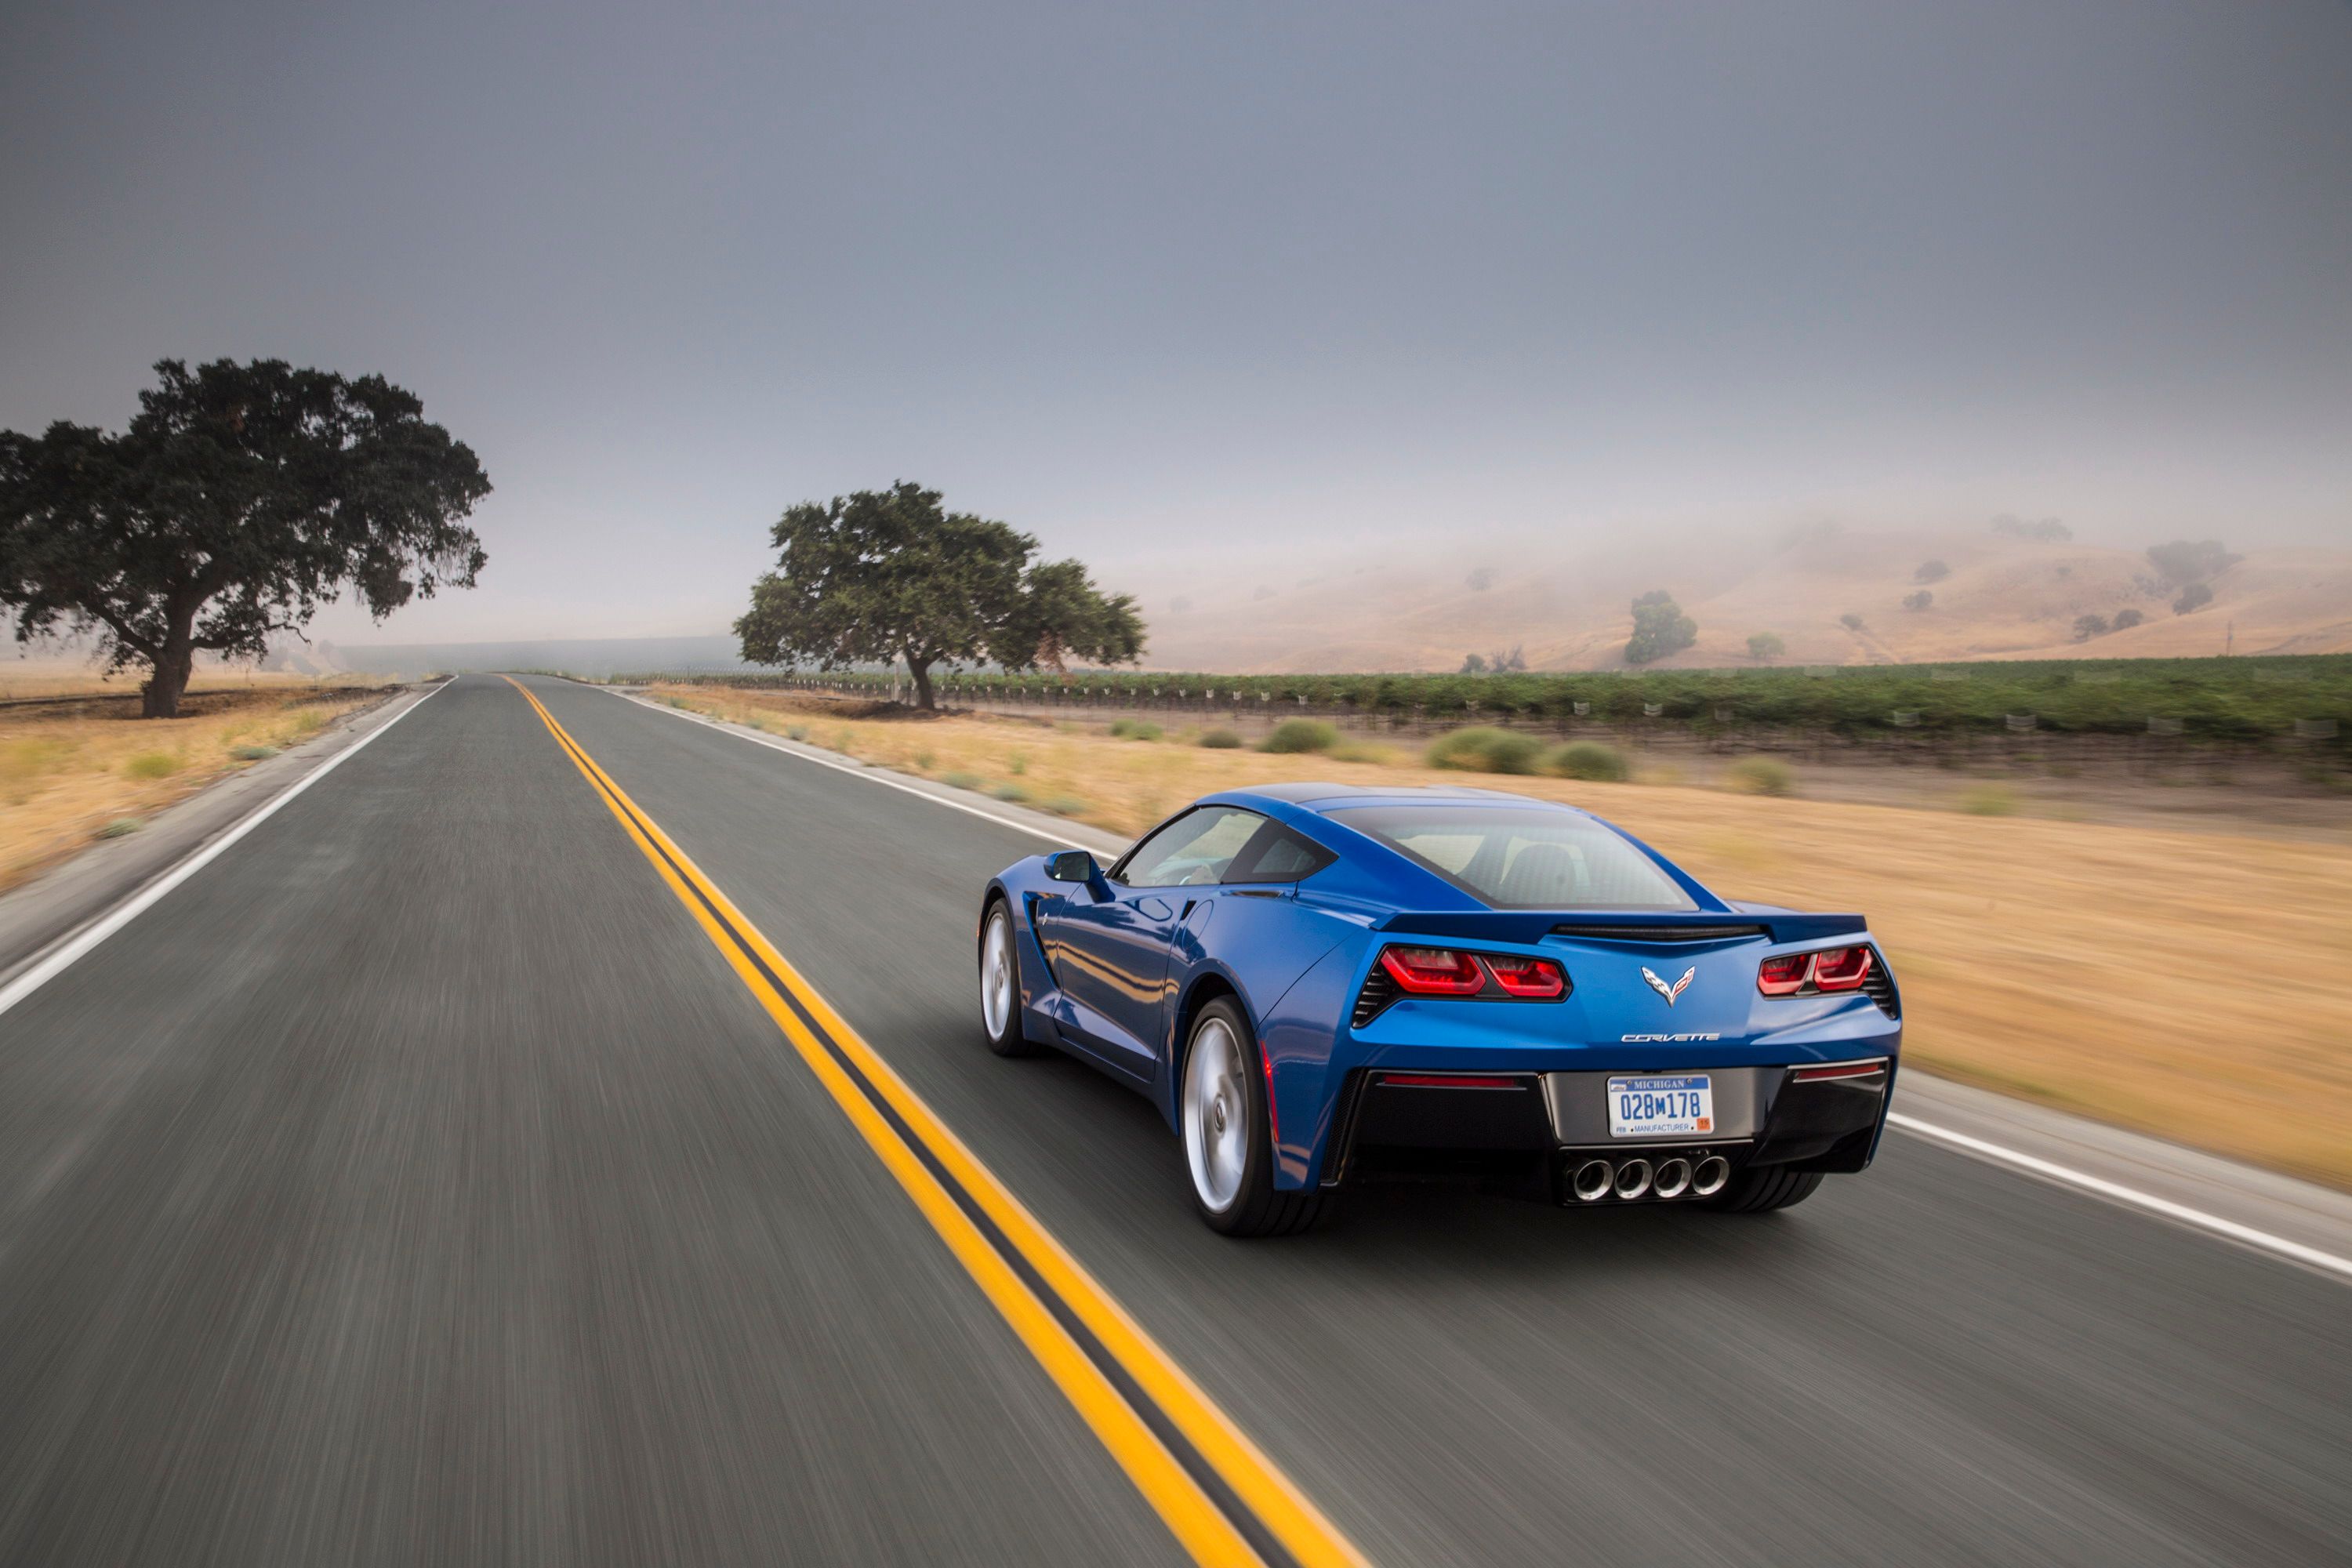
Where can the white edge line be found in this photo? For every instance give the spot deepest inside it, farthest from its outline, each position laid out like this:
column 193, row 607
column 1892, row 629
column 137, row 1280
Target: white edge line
column 61, row 958
column 1995, row 1154
column 856, row 770
column 2133, row 1197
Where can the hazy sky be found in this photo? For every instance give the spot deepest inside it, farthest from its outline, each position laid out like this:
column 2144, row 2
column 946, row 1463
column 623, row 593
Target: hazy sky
column 1194, row 279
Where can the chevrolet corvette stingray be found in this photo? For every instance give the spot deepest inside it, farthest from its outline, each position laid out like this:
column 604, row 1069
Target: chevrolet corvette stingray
column 1322, row 986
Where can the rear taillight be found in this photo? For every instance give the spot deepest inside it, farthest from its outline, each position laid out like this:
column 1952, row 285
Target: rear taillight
column 1433, row 971
column 1833, row 969
column 1838, row 1070
column 1450, row 972
column 1539, row 978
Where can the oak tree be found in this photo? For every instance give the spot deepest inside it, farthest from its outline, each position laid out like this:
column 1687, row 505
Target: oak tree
column 238, row 501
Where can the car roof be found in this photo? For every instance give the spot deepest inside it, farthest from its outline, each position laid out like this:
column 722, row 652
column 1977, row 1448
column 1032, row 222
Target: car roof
column 1319, row 798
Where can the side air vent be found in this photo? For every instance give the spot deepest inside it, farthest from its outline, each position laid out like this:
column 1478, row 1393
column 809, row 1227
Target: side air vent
column 1660, row 933
column 1377, row 992
column 1879, row 986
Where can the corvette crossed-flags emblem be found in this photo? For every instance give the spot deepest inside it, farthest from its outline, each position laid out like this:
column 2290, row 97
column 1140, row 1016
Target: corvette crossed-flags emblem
column 1664, row 990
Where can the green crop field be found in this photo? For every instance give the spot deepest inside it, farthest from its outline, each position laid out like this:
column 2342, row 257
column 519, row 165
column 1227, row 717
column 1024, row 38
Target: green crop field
column 2219, row 699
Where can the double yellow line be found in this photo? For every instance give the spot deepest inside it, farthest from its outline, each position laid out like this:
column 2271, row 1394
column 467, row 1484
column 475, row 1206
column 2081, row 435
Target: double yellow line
column 1223, row 1497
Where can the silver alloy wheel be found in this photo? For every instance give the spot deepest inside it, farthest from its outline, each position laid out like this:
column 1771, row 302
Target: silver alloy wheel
column 996, row 975
column 1216, row 1114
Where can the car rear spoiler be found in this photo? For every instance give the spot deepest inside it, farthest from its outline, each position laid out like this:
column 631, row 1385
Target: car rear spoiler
column 1529, row 926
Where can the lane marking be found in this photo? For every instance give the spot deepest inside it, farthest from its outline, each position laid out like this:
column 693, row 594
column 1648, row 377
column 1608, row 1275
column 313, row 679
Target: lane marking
column 1222, row 1497
column 1992, row 1153
column 2115, row 1192
column 63, row 956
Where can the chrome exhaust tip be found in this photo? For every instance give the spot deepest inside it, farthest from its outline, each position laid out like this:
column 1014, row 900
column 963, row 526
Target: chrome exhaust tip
column 1674, row 1178
column 1632, row 1178
column 1714, row 1173
column 1591, row 1181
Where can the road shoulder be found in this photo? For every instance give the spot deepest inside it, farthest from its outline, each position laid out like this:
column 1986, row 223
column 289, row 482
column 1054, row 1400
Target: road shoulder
column 48, row 910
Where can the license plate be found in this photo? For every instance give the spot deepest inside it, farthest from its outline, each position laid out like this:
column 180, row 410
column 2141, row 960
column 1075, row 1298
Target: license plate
column 1666, row 1106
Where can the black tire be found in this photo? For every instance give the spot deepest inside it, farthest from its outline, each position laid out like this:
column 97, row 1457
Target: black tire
column 1006, row 1040
column 1255, row 1207
column 1761, row 1192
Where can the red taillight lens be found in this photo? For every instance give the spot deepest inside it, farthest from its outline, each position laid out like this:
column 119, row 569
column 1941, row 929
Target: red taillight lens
column 1843, row 1069
column 1783, row 976
column 1840, row 968
column 1535, row 977
column 1433, row 971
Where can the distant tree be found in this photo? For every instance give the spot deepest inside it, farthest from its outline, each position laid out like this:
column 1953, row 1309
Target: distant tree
column 240, row 498
column 2089, row 627
column 1919, row 601
column 2184, row 562
column 1849, row 621
column 2127, row 619
column 885, row 575
column 1762, row 646
column 1931, row 572
column 1660, row 627
column 1481, row 580
column 1473, row 664
column 2195, row 597
column 1500, row 662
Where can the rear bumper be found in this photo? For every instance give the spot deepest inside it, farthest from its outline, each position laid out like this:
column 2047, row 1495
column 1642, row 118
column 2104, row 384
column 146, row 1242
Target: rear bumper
column 1528, row 1131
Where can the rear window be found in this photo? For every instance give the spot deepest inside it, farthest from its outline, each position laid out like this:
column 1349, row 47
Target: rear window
column 1522, row 859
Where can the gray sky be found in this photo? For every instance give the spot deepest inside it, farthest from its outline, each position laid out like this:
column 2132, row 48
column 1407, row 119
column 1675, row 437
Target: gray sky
column 1206, row 278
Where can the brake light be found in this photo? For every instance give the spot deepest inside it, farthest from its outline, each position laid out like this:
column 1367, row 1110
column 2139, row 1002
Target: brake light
column 1433, row 971
column 1535, row 977
column 1447, row 1080
column 1842, row 968
column 1783, row 976
column 1833, row 969
column 1841, row 1069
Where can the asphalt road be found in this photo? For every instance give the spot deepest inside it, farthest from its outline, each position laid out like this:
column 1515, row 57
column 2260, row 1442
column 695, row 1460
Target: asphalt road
column 417, row 1183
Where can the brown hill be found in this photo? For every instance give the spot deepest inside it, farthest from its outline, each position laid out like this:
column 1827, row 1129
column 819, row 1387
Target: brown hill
column 2003, row 598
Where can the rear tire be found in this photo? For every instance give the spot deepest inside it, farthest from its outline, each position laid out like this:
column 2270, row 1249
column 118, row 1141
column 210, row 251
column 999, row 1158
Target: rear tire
column 1761, row 1192
column 1228, row 1133
column 999, row 983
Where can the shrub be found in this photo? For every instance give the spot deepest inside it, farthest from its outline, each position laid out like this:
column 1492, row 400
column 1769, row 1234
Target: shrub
column 152, row 766
column 1760, row 775
column 796, row 731
column 1484, row 749
column 1586, row 760
column 1017, row 764
column 1135, row 730
column 960, row 779
column 923, row 761
column 251, row 753
column 1220, row 739
column 1766, row 645
column 1989, row 800
column 1301, row 735
column 120, row 827
column 1067, row 805
column 1011, row 792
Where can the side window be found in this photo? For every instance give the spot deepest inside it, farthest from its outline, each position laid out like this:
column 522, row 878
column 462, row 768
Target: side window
column 1194, row 849
column 1278, row 855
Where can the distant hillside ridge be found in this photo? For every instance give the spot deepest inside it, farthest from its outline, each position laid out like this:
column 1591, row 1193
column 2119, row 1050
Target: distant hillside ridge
column 1988, row 595
column 594, row 657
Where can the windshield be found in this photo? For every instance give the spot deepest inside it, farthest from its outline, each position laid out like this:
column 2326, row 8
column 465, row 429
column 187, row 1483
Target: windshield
column 1522, row 859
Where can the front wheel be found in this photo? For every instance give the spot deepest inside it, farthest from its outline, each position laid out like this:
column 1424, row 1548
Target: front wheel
column 1228, row 1131
column 1000, row 984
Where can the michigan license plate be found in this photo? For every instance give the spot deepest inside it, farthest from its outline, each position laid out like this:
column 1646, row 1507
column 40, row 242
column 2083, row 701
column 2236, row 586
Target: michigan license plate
column 1666, row 1106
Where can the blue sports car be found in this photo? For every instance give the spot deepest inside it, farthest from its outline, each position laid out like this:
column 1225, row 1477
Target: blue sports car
column 1322, row 986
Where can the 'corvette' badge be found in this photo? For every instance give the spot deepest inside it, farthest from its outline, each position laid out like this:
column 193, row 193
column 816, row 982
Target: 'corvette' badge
column 1664, row 990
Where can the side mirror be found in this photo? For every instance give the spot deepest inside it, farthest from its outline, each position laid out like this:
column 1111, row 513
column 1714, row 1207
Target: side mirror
column 1072, row 866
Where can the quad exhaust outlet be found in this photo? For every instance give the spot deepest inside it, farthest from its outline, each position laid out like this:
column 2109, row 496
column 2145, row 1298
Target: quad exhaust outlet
column 1626, row 1180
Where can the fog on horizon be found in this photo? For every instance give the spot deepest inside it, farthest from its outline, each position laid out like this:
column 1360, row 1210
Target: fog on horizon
column 1223, row 290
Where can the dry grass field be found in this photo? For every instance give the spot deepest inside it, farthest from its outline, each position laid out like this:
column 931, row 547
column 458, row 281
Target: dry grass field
column 70, row 772
column 2197, row 985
